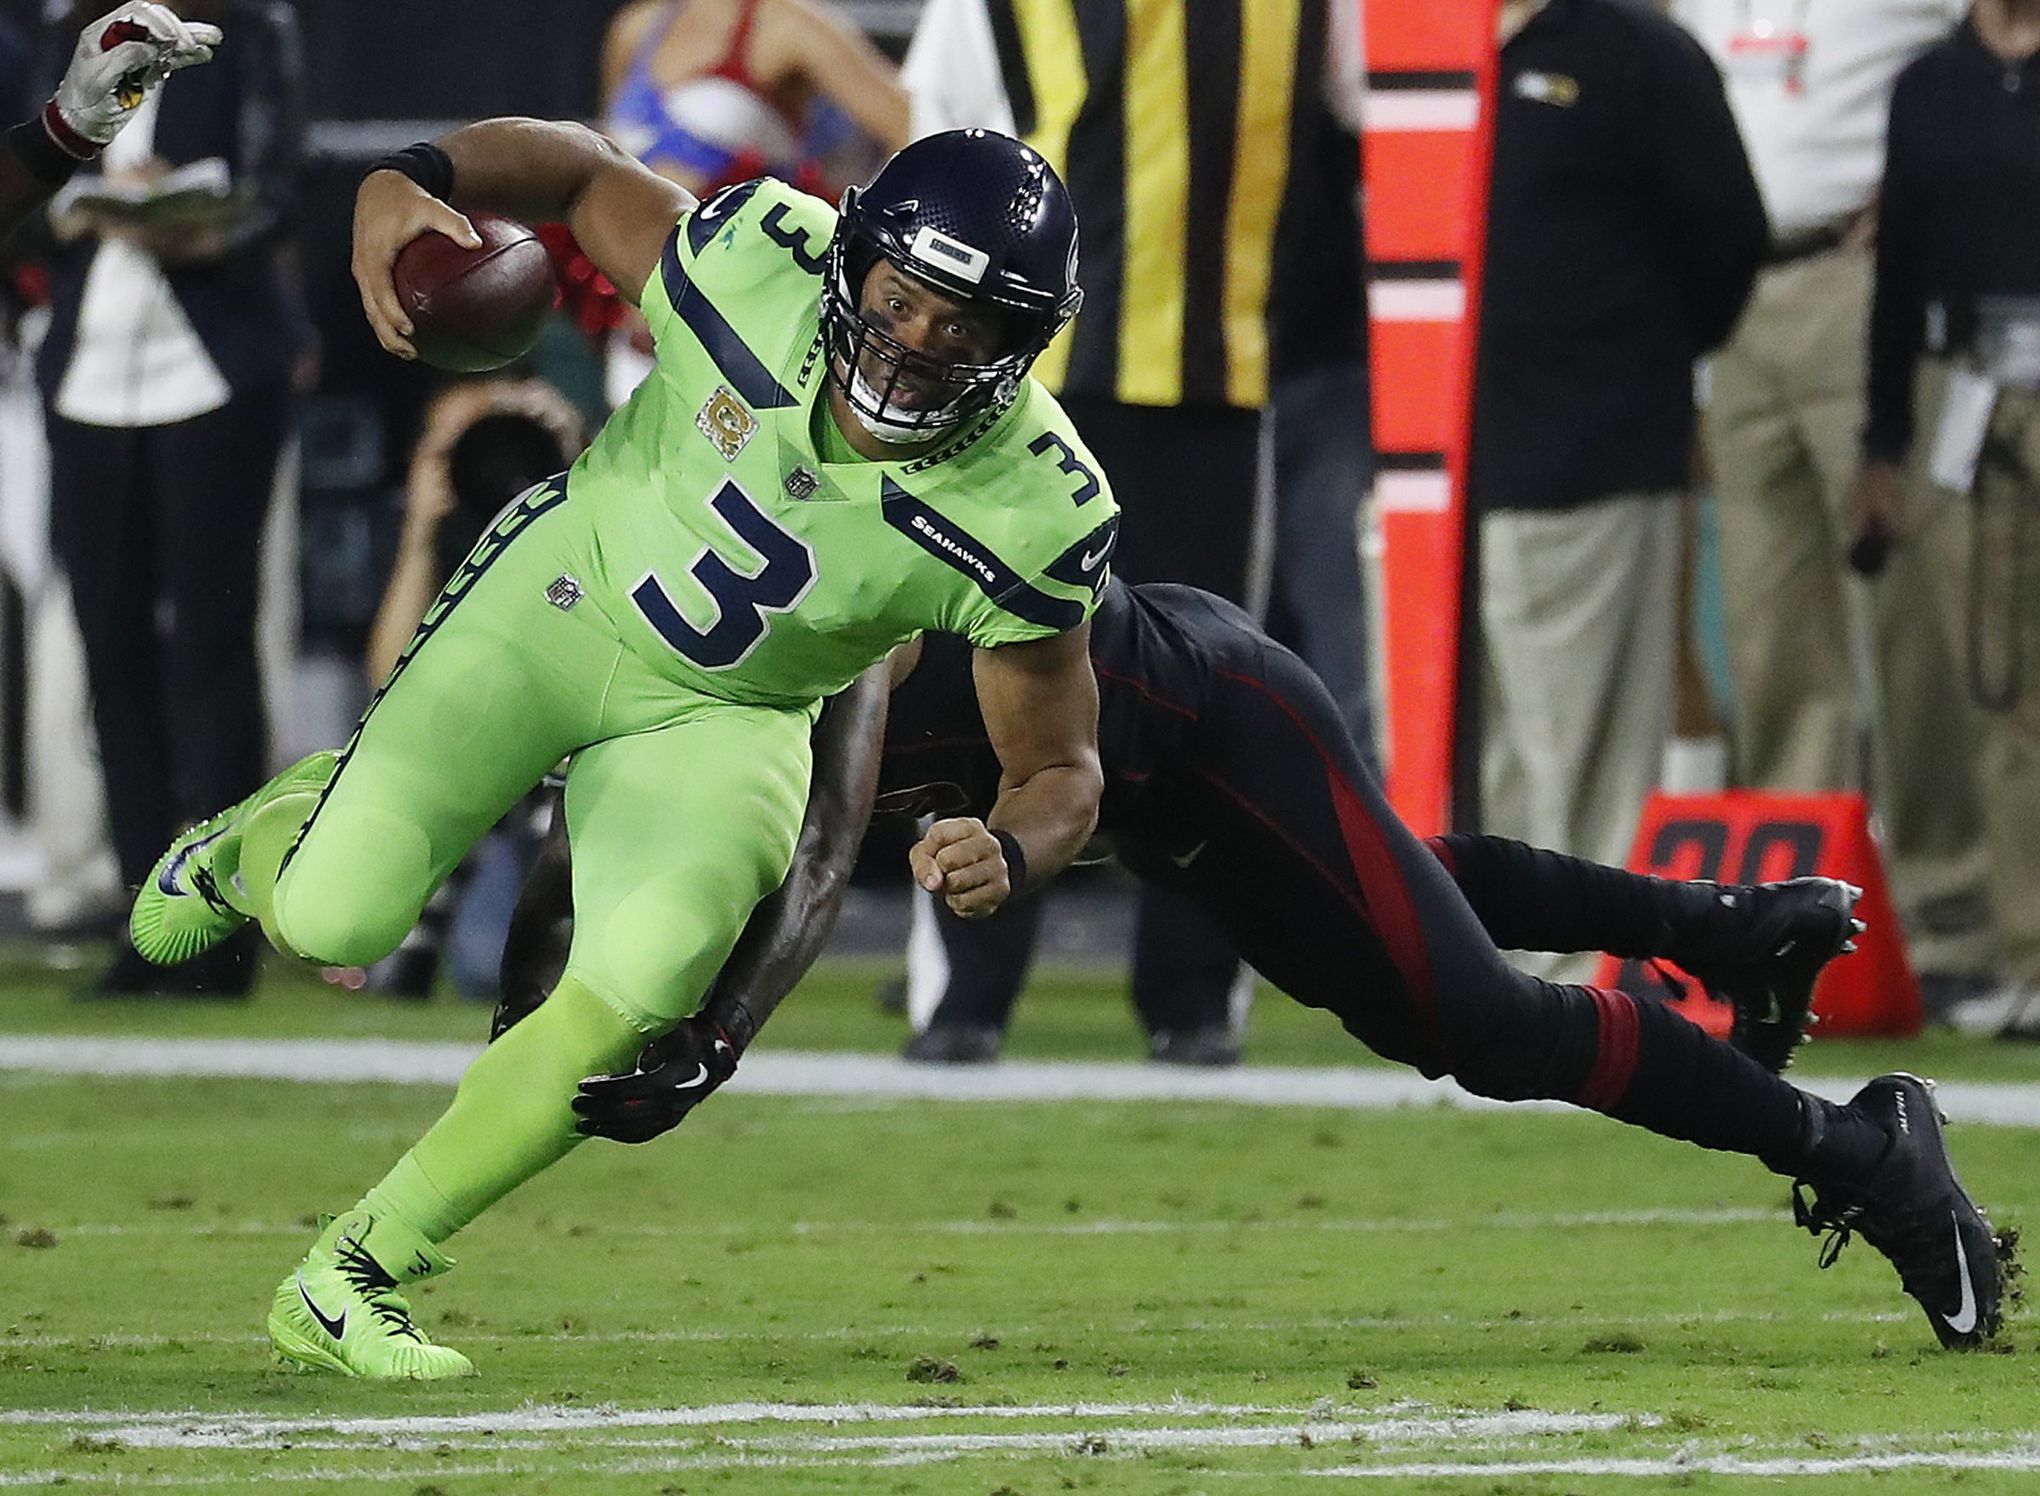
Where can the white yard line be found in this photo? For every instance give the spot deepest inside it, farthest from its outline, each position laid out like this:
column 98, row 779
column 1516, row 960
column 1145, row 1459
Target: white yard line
column 1083, row 1428
column 1477, row 1430
column 605, row 1441
column 797, row 1073
column 556, row 1418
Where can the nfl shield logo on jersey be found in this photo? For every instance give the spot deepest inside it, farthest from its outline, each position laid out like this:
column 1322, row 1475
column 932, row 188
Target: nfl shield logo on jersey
column 801, row 484
column 725, row 422
column 563, row 593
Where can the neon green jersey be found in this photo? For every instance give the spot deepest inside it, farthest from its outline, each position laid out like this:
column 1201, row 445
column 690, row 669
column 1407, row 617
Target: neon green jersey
column 739, row 561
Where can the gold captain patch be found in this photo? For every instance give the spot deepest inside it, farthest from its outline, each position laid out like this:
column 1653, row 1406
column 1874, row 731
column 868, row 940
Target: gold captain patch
column 726, row 423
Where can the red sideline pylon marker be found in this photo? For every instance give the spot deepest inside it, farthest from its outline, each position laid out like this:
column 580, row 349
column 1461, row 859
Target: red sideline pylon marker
column 1751, row 836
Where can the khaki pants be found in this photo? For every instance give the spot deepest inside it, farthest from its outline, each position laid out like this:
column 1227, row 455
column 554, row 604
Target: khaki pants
column 1985, row 550
column 1580, row 612
column 1837, row 686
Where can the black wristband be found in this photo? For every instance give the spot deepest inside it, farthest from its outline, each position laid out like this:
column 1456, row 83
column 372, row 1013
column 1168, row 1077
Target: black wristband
column 45, row 160
column 424, row 163
column 1016, row 860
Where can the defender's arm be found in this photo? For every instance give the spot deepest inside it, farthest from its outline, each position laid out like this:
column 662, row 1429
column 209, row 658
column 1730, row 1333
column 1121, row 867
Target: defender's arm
column 785, row 934
column 788, row 930
column 120, row 59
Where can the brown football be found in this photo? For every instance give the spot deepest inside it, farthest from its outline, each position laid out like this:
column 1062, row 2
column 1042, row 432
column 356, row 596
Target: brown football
column 475, row 309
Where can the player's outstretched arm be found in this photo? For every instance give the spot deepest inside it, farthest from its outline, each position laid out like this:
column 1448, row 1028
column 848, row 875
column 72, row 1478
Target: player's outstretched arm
column 120, row 59
column 787, row 931
column 541, row 928
column 537, row 170
column 1040, row 704
column 785, row 934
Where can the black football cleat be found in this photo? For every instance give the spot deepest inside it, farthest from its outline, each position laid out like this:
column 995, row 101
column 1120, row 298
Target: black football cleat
column 1914, row 1210
column 1765, row 968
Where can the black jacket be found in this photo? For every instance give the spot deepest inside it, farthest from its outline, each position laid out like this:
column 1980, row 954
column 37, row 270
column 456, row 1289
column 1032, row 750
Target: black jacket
column 1959, row 216
column 1624, row 232
column 247, row 106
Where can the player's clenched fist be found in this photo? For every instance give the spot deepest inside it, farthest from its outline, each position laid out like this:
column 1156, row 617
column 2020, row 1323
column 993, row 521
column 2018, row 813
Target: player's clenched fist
column 962, row 862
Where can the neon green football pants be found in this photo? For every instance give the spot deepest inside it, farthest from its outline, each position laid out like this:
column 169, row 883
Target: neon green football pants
column 683, row 811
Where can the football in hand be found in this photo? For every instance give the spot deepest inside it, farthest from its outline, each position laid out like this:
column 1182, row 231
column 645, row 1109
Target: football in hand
column 475, row 309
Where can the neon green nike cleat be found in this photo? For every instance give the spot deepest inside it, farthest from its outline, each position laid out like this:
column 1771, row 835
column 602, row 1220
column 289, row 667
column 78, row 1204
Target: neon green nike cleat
column 340, row 1311
column 188, row 903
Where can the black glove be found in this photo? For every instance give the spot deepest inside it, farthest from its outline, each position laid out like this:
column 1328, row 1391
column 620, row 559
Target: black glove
column 673, row 1076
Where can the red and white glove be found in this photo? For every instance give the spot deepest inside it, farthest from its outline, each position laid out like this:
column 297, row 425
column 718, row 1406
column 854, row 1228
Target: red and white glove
column 118, row 59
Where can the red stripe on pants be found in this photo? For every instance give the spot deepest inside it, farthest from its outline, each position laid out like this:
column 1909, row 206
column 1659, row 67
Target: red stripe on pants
column 1382, row 884
column 1615, row 1057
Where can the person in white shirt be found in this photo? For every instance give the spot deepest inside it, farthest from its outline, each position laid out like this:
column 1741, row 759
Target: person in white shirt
column 177, row 336
column 1837, row 685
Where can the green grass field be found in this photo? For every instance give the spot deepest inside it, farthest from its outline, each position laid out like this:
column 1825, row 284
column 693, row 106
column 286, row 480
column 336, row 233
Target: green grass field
column 869, row 1295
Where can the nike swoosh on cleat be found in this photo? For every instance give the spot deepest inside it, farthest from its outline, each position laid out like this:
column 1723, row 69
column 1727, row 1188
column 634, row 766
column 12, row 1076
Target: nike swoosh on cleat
column 338, row 1327
column 1963, row 1320
column 700, row 1075
column 1190, row 856
column 167, row 879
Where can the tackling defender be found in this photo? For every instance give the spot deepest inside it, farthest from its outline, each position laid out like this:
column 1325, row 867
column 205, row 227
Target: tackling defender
column 840, row 448
column 1229, row 776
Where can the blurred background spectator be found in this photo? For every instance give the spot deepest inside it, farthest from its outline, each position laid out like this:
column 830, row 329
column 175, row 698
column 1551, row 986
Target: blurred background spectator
column 1836, row 685
column 1624, row 230
column 175, row 343
column 1958, row 276
column 710, row 92
column 1318, row 395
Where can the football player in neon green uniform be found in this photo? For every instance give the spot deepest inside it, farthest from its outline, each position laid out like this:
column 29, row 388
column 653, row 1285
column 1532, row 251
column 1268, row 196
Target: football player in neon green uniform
column 839, row 449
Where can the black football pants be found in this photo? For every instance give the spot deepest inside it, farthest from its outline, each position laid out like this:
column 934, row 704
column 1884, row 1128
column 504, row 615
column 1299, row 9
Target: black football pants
column 1271, row 823
column 159, row 528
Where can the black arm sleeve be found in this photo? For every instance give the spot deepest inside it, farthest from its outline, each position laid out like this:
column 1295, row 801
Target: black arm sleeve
column 787, row 930
column 541, row 927
column 1714, row 222
column 31, row 169
column 1898, row 306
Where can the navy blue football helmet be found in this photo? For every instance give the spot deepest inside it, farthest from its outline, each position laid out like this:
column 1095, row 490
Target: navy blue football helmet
column 982, row 219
